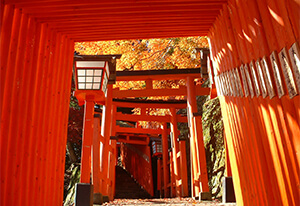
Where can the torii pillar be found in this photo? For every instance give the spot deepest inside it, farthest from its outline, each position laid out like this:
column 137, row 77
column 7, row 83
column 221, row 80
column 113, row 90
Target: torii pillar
column 198, row 158
column 165, row 156
column 106, row 127
column 175, row 150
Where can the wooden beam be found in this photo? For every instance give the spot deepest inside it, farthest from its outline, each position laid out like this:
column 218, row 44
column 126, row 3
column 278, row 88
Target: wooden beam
column 134, row 118
column 132, row 103
column 137, row 130
column 182, row 91
column 139, row 142
column 158, row 74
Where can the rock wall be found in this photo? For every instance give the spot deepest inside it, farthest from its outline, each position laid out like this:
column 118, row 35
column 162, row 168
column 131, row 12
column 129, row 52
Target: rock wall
column 213, row 134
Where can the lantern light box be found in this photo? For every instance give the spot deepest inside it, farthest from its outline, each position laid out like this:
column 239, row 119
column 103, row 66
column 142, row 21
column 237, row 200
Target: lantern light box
column 92, row 75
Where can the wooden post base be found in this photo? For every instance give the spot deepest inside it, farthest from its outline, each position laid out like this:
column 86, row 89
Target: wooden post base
column 228, row 190
column 98, row 198
column 205, row 196
column 105, row 199
column 84, row 194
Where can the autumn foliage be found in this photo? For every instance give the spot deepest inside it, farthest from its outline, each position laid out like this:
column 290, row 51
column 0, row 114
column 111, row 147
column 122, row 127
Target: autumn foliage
column 149, row 54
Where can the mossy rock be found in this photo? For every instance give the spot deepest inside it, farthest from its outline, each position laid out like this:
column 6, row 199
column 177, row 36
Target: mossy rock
column 213, row 134
column 75, row 177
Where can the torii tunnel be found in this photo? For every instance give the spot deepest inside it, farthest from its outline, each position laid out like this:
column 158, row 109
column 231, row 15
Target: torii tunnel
column 254, row 49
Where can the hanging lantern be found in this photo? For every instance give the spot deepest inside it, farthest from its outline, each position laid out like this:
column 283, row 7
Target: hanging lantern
column 92, row 74
column 157, row 148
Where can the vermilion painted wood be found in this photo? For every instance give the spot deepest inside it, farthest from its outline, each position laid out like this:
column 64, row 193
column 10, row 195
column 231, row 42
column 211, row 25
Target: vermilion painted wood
column 28, row 130
column 239, row 130
column 131, row 117
column 292, row 8
column 194, row 158
column 260, row 118
column 265, row 114
column 25, row 94
column 148, row 105
column 6, row 106
column 268, row 124
column 183, row 169
column 43, row 115
column 281, row 156
column 115, row 151
column 66, row 93
column 39, row 96
column 47, row 173
column 14, row 124
column 87, row 141
column 96, row 157
column 137, row 130
column 255, row 152
column 5, row 38
column 280, row 114
column 235, row 127
column 59, row 98
column 290, row 120
column 49, row 140
column 228, row 172
column 64, row 117
column 106, row 132
column 182, row 91
column 114, row 169
column 285, row 37
column 237, row 191
column 273, row 47
column 110, row 175
column 165, row 157
column 175, row 150
column 46, row 123
column 159, row 174
column 172, row 174
column 123, row 8
column 290, row 34
column 52, row 119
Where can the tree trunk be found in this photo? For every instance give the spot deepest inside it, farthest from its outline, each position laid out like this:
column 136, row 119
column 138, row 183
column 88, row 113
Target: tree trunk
column 71, row 152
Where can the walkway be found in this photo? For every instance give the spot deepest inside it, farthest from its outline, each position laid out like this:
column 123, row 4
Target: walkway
column 165, row 201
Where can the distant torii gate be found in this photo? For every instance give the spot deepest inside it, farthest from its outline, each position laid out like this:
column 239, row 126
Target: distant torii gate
column 176, row 158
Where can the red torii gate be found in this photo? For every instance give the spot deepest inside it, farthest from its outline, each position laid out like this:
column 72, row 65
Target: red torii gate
column 199, row 175
column 262, row 130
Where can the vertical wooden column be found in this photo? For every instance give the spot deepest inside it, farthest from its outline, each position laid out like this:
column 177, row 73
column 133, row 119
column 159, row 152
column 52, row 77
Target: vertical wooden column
column 96, row 162
column 87, row 140
column 112, row 156
column 34, row 110
column 159, row 175
column 172, row 174
column 111, row 168
column 64, row 116
column 183, row 169
column 7, row 87
column 106, row 132
column 175, row 150
column 115, row 151
column 197, row 146
column 165, row 159
column 228, row 172
column 25, row 94
column 5, row 39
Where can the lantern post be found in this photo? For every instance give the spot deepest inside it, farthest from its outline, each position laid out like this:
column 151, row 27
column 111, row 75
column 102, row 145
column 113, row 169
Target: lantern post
column 92, row 74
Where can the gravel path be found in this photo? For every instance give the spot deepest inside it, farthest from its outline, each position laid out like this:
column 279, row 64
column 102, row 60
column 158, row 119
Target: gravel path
column 166, row 201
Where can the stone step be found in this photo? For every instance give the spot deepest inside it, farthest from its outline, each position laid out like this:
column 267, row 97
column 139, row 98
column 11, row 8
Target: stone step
column 127, row 187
